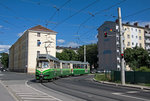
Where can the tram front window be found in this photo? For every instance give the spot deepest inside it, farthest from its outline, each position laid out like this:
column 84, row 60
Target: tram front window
column 43, row 64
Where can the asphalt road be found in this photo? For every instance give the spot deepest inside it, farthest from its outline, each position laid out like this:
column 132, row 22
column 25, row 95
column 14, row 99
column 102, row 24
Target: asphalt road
column 85, row 88
column 77, row 88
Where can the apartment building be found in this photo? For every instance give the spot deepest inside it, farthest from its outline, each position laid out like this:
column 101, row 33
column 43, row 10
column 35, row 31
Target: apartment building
column 109, row 47
column 147, row 38
column 34, row 41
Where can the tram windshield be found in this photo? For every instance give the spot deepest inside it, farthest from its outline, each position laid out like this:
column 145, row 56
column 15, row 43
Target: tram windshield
column 43, row 64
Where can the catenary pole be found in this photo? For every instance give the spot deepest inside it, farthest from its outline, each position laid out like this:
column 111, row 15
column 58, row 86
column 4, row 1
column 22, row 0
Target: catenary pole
column 84, row 53
column 121, row 48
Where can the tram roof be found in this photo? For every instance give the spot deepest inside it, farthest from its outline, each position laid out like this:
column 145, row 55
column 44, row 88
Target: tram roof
column 74, row 62
column 47, row 56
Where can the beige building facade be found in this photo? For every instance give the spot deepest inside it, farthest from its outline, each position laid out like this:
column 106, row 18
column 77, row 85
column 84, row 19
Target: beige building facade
column 34, row 41
column 133, row 36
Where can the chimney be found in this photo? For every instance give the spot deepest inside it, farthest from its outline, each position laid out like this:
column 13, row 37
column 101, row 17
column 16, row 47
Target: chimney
column 136, row 23
column 117, row 21
column 147, row 26
column 128, row 23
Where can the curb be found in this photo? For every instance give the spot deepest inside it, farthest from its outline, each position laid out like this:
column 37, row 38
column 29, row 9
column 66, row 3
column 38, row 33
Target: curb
column 126, row 85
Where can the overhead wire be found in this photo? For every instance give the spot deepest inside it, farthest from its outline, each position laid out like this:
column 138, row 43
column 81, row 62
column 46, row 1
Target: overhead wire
column 11, row 10
column 138, row 12
column 97, row 13
column 57, row 9
column 76, row 13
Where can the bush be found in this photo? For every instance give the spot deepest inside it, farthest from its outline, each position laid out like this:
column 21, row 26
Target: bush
column 143, row 69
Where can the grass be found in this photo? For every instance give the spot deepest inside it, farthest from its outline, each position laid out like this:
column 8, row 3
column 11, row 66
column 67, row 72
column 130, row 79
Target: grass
column 101, row 77
column 106, row 77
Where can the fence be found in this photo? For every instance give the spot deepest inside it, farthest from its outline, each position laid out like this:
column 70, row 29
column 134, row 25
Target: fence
column 131, row 76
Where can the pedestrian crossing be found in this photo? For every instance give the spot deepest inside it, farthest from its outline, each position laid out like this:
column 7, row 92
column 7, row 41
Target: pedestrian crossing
column 24, row 92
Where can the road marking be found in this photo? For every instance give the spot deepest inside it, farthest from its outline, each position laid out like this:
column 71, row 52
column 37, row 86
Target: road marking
column 122, row 94
column 131, row 92
column 41, row 92
column 9, row 91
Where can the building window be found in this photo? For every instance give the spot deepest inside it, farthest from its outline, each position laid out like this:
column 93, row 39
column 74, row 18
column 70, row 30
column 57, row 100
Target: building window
column 128, row 36
column 140, row 38
column 136, row 36
column 136, row 44
column 132, row 36
column 139, row 31
column 132, row 43
column 136, row 30
column 132, row 29
column 140, row 45
column 38, row 42
column 38, row 34
column 128, row 44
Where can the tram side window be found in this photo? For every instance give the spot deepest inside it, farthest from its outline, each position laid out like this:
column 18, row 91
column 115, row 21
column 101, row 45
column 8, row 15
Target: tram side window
column 64, row 65
column 74, row 66
column 68, row 65
column 85, row 66
column 58, row 65
column 82, row 66
column 51, row 64
column 78, row 66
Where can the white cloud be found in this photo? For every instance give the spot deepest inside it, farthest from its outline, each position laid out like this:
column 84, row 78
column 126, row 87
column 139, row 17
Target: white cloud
column 60, row 41
column 4, row 48
column 20, row 34
column 72, row 44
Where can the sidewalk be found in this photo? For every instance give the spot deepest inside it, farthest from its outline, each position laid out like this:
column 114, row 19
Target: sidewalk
column 4, row 94
column 126, row 85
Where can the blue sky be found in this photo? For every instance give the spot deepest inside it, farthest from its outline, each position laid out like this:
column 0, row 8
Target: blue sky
column 72, row 19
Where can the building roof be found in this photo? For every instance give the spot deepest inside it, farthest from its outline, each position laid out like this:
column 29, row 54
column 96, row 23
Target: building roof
column 41, row 28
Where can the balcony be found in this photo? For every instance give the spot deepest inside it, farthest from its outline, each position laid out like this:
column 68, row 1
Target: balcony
column 147, row 35
column 147, row 47
column 147, row 41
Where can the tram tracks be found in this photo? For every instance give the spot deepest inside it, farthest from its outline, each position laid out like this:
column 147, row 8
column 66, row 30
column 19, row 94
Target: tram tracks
column 85, row 93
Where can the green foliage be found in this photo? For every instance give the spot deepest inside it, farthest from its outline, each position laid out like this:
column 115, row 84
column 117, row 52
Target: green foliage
column 137, row 57
column 91, row 54
column 4, row 59
column 102, row 77
column 143, row 69
column 67, row 55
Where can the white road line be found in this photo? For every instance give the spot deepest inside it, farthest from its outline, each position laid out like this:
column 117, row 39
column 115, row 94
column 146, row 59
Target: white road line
column 131, row 92
column 41, row 92
column 121, row 94
column 34, row 95
column 25, row 98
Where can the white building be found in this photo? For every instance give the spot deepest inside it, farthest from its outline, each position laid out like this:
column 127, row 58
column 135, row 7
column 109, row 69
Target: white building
column 23, row 53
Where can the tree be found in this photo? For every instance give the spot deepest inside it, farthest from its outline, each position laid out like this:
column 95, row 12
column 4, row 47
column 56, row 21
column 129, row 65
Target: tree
column 91, row 54
column 137, row 57
column 67, row 54
column 4, row 59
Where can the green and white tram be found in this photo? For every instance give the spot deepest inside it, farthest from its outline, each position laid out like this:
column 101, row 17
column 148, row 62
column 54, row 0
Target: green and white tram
column 49, row 67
